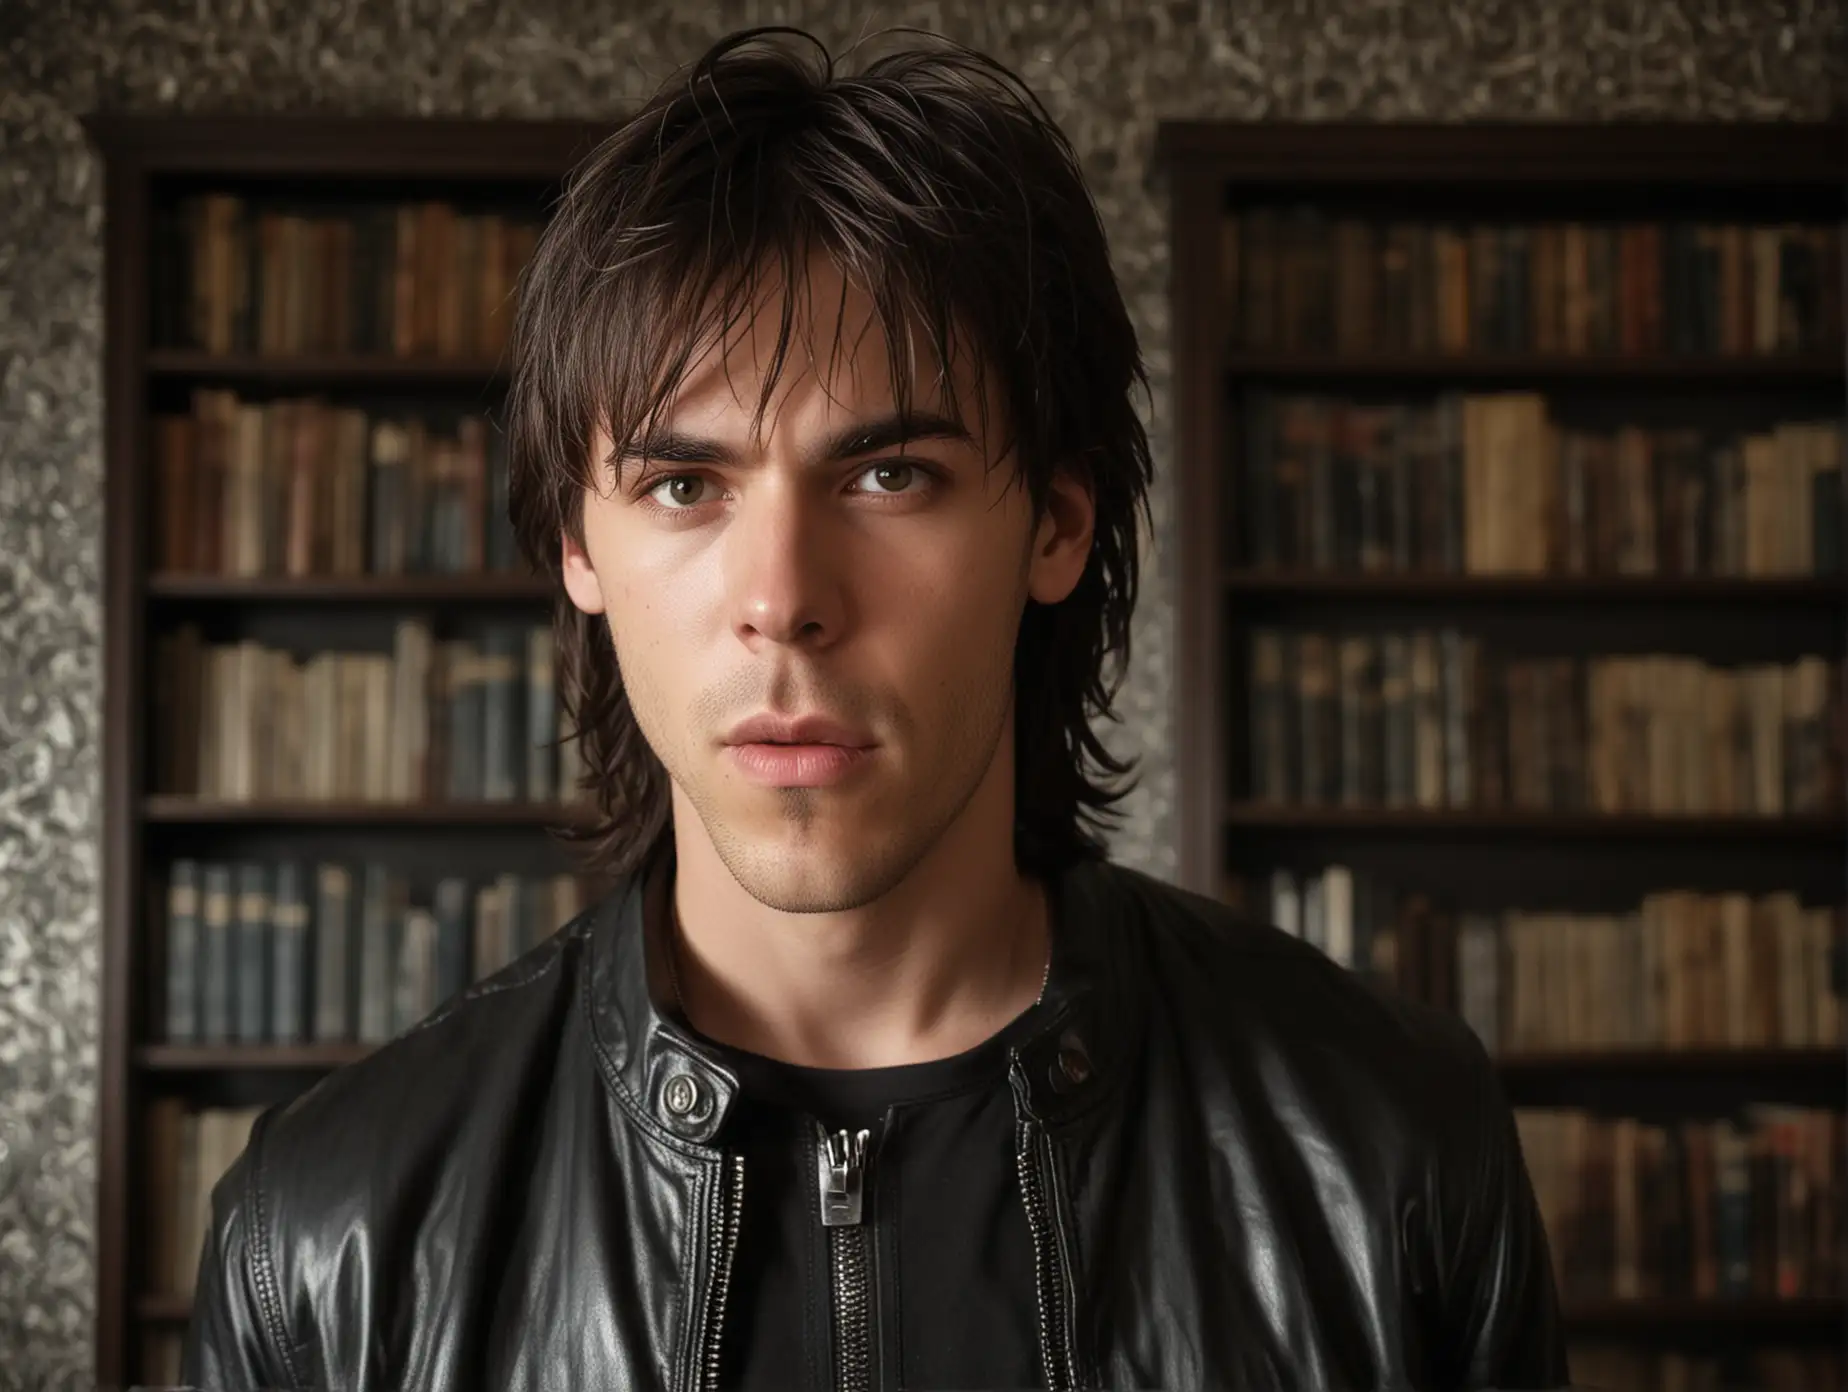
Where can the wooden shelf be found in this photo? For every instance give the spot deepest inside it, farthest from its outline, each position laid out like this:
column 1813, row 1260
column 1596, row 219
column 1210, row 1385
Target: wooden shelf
column 1782, row 1062
column 187, row 811
column 1376, row 586
column 1672, row 1313
column 1507, row 822
column 324, row 368
column 246, row 1058
column 1793, row 369
column 351, row 589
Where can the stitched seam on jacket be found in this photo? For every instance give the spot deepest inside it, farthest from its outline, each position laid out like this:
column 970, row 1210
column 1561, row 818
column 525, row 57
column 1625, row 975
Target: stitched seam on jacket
column 263, row 1268
column 626, row 1099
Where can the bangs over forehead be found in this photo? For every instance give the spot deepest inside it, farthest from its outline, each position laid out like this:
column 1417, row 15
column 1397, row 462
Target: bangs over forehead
column 792, row 310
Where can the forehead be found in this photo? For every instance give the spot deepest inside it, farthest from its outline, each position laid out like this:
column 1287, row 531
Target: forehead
column 814, row 347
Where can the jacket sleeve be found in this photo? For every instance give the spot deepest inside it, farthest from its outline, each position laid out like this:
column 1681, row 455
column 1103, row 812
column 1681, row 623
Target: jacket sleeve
column 231, row 1343
column 1500, row 1321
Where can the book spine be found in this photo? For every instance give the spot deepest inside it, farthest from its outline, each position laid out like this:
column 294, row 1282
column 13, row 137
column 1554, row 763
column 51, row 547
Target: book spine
column 541, row 715
column 183, row 952
column 465, row 722
column 377, row 955
column 333, row 1010
column 503, row 549
column 215, row 955
column 413, row 992
column 451, row 904
column 289, row 956
column 502, row 772
column 251, row 953
column 1317, row 722
column 1350, row 696
column 1269, row 730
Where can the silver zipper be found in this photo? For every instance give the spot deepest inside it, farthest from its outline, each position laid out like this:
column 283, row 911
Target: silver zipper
column 1055, row 1349
column 728, row 1212
column 843, row 1199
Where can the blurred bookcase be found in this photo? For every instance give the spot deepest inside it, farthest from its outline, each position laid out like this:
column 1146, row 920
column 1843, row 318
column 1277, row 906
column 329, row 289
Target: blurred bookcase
column 1510, row 624
column 330, row 727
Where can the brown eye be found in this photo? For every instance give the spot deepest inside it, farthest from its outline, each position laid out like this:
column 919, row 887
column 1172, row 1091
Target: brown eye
column 894, row 476
column 680, row 491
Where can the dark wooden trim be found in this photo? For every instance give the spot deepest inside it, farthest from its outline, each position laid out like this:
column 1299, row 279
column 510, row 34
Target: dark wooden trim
column 247, row 1058
column 351, row 589
column 1370, row 587
column 342, row 368
column 1198, row 407
column 186, row 811
column 1755, row 371
column 124, row 507
column 1712, row 155
column 1782, row 1062
column 163, row 1309
column 1832, row 831
column 1818, row 1314
column 272, row 146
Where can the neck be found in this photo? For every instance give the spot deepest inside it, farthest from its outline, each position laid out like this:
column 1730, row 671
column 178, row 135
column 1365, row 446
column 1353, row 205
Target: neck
column 932, row 968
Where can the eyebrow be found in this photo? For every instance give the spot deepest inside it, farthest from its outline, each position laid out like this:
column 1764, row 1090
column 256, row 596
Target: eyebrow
column 849, row 442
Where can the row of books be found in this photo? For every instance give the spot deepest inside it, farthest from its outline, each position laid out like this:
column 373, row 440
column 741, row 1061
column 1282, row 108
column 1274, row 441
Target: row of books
column 188, row 1151
column 1607, row 1367
column 299, row 487
column 1295, row 277
column 1492, row 484
column 1750, row 1206
column 1433, row 719
column 1682, row 970
column 430, row 721
column 285, row 953
column 407, row 279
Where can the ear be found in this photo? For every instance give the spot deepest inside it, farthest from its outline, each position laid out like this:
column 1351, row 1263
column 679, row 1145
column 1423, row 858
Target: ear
column 1062, row 540
column 580, row 577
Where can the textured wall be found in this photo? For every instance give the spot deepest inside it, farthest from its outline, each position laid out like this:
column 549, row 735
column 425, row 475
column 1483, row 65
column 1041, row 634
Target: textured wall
column 1108, row 69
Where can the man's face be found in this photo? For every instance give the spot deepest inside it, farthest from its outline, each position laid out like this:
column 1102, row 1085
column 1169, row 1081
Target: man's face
column 815, row 622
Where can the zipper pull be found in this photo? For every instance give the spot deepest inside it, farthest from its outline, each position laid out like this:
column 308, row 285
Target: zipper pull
column 843, row 1178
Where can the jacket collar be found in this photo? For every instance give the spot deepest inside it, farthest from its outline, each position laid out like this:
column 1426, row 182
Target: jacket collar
column 674, row 1082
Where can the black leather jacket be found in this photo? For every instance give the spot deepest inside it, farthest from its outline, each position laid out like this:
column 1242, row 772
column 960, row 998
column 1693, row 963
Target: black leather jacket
column 1242, row 1167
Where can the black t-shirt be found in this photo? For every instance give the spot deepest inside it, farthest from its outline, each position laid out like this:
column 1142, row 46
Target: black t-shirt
column 950, row 1264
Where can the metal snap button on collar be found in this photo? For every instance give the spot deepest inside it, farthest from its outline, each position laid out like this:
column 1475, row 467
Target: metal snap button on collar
column 1072, row 1067
column 685, row 1099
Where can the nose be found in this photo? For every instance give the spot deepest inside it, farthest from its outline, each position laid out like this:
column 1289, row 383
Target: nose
column 783, row 569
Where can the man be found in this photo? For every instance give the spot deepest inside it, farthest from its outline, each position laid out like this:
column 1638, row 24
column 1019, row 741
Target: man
column 871, row 1073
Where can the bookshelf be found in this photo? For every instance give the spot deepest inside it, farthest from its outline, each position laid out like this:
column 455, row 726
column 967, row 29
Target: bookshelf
column 1359, row 313
column 330, row 304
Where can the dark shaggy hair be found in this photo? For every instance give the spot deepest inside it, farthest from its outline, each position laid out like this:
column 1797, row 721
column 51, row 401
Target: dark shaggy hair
column 940, row 186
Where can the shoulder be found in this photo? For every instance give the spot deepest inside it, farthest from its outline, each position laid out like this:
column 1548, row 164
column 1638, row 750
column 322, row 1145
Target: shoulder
column 426, row 1081
column 373, row 1137
column 1271, row 1005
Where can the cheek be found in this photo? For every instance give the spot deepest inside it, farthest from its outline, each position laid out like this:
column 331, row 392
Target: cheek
column 951, row 608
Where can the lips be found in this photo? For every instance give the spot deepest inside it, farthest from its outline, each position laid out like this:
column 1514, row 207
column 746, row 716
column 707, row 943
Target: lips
column 808, row 751
column 797, row 730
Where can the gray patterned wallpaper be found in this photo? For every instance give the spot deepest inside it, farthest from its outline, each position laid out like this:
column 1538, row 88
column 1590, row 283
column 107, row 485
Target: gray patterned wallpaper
column 1108, row 68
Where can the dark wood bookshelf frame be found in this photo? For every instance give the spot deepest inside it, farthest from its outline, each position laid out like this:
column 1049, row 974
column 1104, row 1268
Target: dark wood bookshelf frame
column 168, row 810
column 1490, row 822
column 268, row 153
column 1362, row 587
